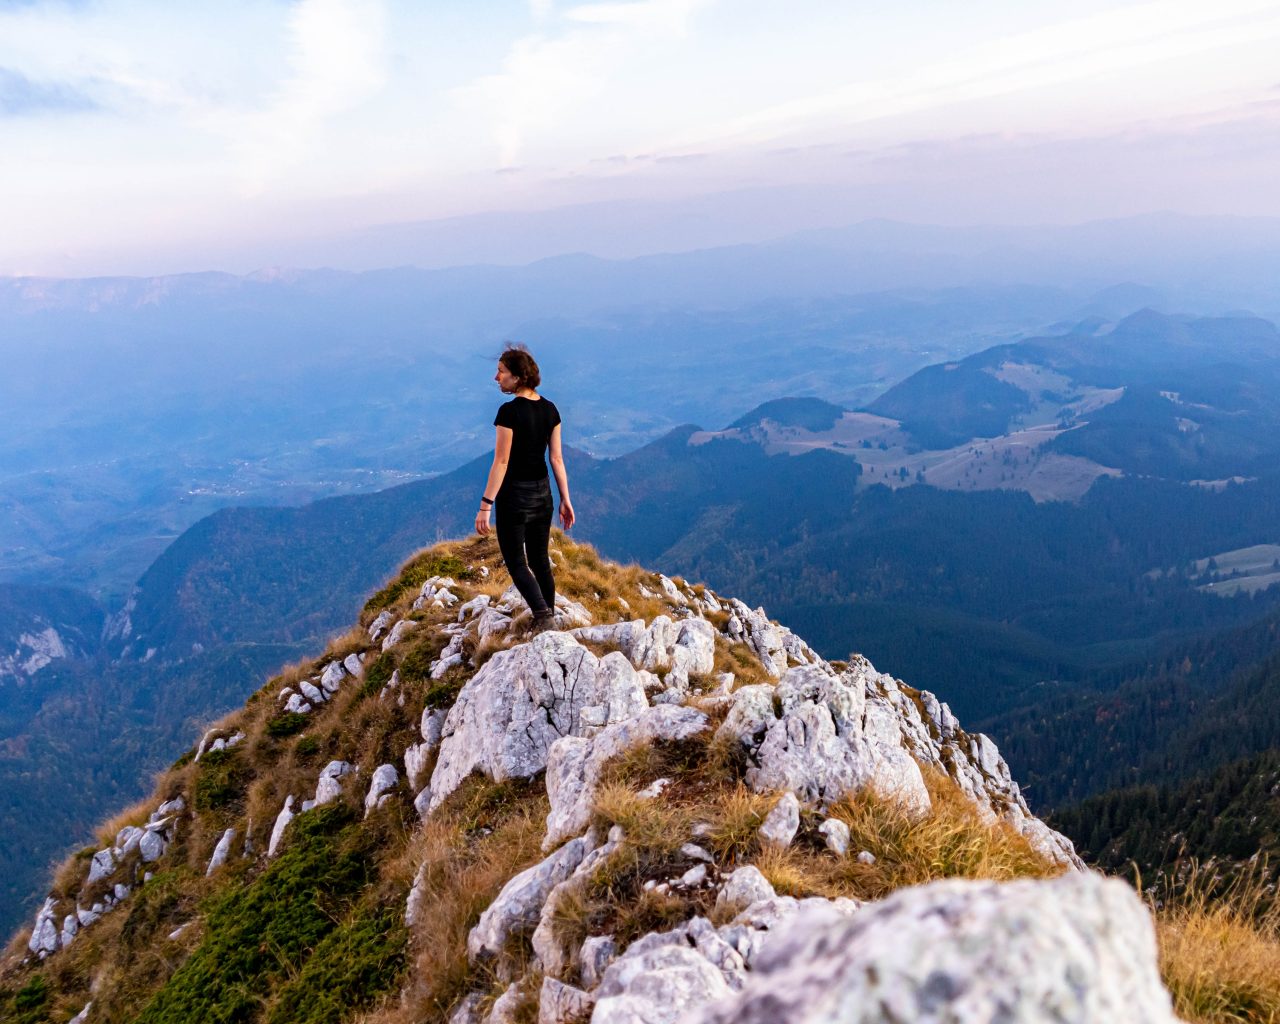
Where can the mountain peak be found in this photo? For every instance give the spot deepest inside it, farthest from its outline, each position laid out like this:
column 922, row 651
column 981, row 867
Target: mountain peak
column 813, row 414
column 441, row 818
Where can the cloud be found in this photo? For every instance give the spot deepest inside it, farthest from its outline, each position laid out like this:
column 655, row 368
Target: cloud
column 20, row 96
column 336, row 62
column 547, row 77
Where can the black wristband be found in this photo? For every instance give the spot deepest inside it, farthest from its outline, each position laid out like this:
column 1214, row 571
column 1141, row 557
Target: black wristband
column 486, row 501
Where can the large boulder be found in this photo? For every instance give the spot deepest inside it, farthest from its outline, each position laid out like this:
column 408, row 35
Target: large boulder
column 574, row 763
column 663, row 975
column 524, row 699
column 1072, row 950
column 808, row 736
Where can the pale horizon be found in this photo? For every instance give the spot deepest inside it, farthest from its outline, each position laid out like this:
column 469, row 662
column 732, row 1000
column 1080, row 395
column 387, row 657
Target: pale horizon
column 164, row 140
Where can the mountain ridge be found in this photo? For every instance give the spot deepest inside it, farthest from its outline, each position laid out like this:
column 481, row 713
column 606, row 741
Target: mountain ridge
column 433, row 703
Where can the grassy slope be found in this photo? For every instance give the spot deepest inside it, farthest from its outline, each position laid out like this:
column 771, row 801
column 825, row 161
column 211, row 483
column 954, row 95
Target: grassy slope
column 317, row 933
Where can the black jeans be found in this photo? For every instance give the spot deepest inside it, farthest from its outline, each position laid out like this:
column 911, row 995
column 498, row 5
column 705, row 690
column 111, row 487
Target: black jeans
column 523, row 512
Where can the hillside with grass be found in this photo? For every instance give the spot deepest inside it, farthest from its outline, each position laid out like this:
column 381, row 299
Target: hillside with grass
column 667, row 805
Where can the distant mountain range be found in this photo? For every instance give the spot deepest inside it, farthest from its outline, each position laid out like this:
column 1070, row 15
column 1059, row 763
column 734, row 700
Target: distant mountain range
column 950, row 566
column 135, row 407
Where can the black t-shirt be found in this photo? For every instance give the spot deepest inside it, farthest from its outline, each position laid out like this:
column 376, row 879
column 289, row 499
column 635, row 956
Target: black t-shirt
column 531, row 422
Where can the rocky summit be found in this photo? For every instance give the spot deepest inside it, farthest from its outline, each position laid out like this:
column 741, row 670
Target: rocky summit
column 668, row 808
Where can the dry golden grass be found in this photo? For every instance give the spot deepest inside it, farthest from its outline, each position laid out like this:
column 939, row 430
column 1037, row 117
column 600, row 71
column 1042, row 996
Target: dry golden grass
column 1220, row 950
column 952, row 841
column 481, row 836
column 745, row 666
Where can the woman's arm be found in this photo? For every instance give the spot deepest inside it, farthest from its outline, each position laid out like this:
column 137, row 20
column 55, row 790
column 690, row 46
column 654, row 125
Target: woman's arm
column 497, row 472
column 562, row 478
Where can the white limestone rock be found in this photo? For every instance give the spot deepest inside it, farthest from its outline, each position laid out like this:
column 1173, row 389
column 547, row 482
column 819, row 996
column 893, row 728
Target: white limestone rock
column 101, row 866
column 695, row 852
column 329, row 784
column 416, row 757
column 570, row 614
column 127, row 840
column 332, row 676
column 70, row 926
column 654, row 789
column 83, row 1015
column 492, row 620
column 551, row 955
column 381, row 624
column 432, row 725
column 174, row 806
column 87, row 917
column 384, row 781
column 671, row 591
column 559, row 1003
column 929, row 731
column 517, row 908
column 836, row 834
column 522, row 700
column 152, row 846
column 1078, row 948
column 766, row 639
column 312, row 692
column 594, row 958
column 687, row 646
column 285, row 816
column 656, row 985
column 297, row 705
column 473, row 607
column 401, row 629
column 815, row 744
column 468, row 1009
column 352, row 663
column 781, row 824
column 742, row 888
column 44, row 934
column 574, row 763
column 505, row 1006
column 440, row 667
column 221, row 852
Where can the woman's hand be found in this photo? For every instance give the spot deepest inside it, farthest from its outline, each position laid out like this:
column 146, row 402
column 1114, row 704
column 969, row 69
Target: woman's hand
column 482, row 522
column 566, row 513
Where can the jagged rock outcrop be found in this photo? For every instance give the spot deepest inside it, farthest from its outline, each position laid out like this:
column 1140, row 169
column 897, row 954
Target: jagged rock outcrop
column 1079, row 948
column 507, row 717
column 798, row 735
column 574, row 763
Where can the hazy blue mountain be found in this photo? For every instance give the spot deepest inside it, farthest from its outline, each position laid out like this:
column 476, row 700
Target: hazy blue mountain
column 991, row 594
column 137, row 406
column 1191, row 398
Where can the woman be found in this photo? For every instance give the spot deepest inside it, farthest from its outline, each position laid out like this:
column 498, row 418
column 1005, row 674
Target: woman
column 518, row 489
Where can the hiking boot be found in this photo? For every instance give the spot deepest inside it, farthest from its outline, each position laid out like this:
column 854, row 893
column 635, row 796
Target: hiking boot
column 542, row 621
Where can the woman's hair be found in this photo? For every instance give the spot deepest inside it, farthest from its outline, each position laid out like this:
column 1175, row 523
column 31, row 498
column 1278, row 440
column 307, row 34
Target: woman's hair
column 518, row 361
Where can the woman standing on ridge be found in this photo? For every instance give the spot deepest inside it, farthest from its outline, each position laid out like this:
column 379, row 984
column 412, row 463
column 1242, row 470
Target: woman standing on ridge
column 518, row 488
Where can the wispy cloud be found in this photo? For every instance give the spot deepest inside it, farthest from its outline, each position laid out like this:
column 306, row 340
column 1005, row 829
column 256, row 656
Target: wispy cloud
column 549, row 75
column 21, row 96
column 1050, row 56
column 336, row 62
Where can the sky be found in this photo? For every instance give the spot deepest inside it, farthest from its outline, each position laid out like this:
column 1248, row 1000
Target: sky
column 154, row 137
